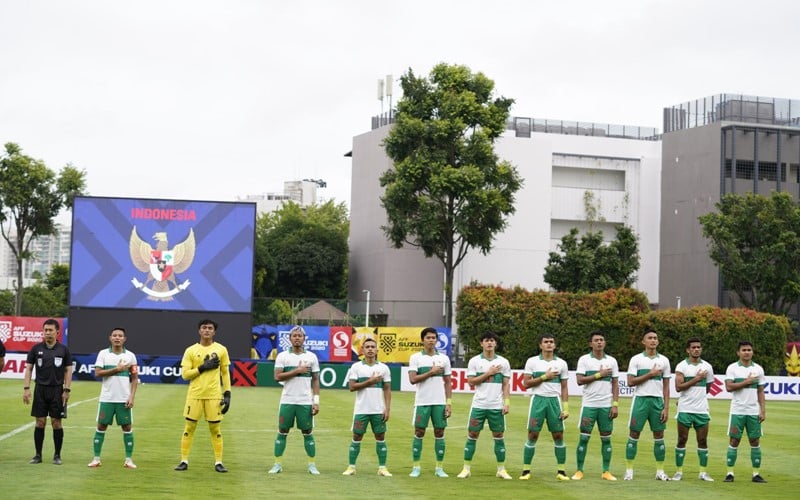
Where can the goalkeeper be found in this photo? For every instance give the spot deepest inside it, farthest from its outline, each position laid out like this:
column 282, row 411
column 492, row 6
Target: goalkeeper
column 206, row 366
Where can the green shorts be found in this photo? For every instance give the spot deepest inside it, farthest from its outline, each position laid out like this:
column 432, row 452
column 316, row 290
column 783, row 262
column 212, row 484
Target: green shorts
column 696, row 420
column 477, row 416
column 600, row 415
column 432, row 413
column 647, row 409
column 374, row 420
column 106, row 412
column 288, row 414
column 545, row 409
column 740, row 423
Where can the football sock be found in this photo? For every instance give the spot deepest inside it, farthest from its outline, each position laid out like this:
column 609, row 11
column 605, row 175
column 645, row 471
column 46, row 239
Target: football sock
column 605, row 451
column 680, row 455
column 580, row 454
column 216, row 440
column 355, row 449
column 438, row 447
column 561, row 453
column 730, row 457
column 469, row 449
column 58, row 440
column 631, row 449
column 382, row 451
column 416, row 449
column 127, row 438
column 527, row 453
column 500, row 450
column 309, row 445
column 659, row 450
column 702, row 454
column 755, row 457
column 38, row 439
column 187, row 438
column 97, row 444
column 280, row 445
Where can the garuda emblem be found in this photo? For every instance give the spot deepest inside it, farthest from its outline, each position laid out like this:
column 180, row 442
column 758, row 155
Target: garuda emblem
column 161, row 264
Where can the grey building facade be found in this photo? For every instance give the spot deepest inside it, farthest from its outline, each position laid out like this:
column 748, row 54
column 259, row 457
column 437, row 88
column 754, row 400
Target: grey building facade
column 713, row 146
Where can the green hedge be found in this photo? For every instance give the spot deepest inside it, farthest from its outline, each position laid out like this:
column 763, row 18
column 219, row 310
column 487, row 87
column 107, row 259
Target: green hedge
column 519, row 317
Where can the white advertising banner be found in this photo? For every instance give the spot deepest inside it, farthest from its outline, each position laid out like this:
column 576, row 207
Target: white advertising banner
column 777, row 388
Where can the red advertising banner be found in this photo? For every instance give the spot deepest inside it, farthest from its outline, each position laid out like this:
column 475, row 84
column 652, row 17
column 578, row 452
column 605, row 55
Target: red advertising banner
column 20, row 333
column 339, row 344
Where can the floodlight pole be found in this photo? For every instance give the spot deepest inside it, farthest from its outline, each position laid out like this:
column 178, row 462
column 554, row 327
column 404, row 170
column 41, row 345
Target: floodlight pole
column 366, row 322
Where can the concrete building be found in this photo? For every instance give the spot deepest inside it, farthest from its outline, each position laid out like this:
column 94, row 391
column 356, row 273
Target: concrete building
column 726, row 143
column 304, row 193
column 47, row 251
column 567, row 166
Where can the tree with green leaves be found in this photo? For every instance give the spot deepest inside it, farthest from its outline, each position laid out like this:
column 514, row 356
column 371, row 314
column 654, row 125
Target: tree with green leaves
column 302, row 251
column 755, row 242
column 589, row 265
column 31, row 196
column 448, row 192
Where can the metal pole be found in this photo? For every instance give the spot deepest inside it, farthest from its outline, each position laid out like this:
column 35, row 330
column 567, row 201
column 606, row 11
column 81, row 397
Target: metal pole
column 366, row 322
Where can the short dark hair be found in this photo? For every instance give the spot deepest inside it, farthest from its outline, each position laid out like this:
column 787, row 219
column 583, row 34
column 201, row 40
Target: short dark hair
column 426, row 331
column 207, row 322
column 598, row 333
column 546, row 336
column 649, row 329
column 120, row 329
column 370, row 339
column 489, row 335
column 694, row 340
column 51, row 322
column 743, row 343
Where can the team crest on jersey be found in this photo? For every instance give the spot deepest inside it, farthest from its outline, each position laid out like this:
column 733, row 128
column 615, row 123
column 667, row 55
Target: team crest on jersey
column 161, row 264
column 58, row 361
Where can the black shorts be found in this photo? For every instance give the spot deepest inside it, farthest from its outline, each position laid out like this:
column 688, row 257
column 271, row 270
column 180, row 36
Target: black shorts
column 47, row 402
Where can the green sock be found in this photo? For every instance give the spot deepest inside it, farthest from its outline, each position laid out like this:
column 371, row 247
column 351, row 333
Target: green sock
column 580, row 454
column 755, row 457
column 127, row 438
column 528, row 452
column 630, row 450
column 382, row 451
column 469, row 449
column 680, row 456
column 605, row 451
column 416, row 449
column 309, row 445
column 659, row 450
column 280, row 444
column 99, row 437
column 561, row 453
column 730, row 457
column 438, row 447
column 702, row 454
column 355, row 449
column 500, row 450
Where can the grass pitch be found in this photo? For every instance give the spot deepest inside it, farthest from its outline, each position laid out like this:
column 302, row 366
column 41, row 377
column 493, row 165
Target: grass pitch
column 249, row 431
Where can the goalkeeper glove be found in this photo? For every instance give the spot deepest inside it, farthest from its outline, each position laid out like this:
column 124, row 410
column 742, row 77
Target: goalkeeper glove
column 210, row 363
column 226, row 402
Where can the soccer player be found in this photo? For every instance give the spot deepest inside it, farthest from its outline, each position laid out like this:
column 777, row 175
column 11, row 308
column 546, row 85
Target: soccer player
column 372, row 382
column 298, row 370
column 547, row 374
column 118, row 368
column 430, row 372
column 490, row 374
column 693, row 379
column 745, row 381
column 206, row 366
column 649, row 373
column 598, row 373
column 53, row 363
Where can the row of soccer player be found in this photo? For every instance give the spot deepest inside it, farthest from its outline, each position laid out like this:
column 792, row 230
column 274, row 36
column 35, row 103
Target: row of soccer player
column 206, row 366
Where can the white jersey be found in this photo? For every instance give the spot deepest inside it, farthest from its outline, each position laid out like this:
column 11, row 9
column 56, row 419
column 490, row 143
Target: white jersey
column 597, row 393
column 489, row 393
column 641, row 364
column 694, row 399
column 430, row 391
column 369, row 400
column 536, row 367
column 297, row 390
column 116, row 387
column 745, row 401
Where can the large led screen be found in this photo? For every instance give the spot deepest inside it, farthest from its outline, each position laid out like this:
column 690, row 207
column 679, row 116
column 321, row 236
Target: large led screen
column 162, row 255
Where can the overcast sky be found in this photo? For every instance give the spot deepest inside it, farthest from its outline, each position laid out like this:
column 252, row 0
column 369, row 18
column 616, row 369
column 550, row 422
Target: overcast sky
column 214, row 100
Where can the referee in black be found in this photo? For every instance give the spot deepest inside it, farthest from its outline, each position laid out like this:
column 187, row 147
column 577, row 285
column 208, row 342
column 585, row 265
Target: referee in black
column 53, row 363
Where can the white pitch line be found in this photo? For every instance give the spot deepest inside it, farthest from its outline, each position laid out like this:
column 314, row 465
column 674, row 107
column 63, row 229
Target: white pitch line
column 25, row 427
